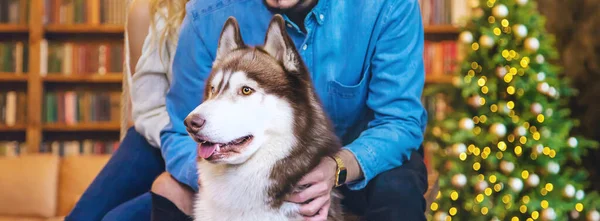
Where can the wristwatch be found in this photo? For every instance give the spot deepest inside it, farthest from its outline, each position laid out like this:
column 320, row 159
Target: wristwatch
column 341, row 172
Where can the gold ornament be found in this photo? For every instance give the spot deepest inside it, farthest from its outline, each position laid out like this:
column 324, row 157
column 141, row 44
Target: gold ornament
column 459, row 148
column 475, row 101
column 520, row 30
column 466, row 37
column 481, row 186
column 532, row 44
column 500, row 11
column 440, row 216
column 486, row 41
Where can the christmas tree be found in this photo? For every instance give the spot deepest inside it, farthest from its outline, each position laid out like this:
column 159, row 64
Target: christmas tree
column 505, row 151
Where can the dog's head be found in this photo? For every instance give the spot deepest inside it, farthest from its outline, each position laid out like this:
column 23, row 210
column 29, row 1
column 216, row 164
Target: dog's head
column 251, row 95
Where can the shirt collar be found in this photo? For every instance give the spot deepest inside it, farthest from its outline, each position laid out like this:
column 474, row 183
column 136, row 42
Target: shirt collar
column 320, row 11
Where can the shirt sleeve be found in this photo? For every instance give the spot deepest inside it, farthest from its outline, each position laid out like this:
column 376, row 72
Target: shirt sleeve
column 191, row 66
column 149, row 86
column 394, row 94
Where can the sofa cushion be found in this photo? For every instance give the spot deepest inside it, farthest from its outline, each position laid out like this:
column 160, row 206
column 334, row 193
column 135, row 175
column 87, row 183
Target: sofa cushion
column 76, row 174
column 29, row 185
column 11, row 218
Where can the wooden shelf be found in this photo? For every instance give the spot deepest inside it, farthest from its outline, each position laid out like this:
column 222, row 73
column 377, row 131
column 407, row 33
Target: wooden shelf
column 13, row 28
column 14, row 128
column 99, row 126
column 84, row 78
column 438, row 79
column 441, row 29
column 13, row 77
column 84, row 28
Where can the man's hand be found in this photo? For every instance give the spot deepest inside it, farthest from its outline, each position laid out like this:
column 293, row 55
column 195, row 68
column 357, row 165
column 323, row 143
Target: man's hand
column 315, row 199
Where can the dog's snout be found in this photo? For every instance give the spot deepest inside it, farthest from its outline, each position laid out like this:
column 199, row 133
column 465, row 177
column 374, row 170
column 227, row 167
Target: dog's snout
column 194, row 123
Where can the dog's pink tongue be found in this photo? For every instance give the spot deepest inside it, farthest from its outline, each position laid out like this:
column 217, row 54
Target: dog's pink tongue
column 205, row 151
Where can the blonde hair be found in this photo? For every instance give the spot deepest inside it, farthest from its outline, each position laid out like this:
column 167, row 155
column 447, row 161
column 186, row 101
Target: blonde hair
column 172, row 12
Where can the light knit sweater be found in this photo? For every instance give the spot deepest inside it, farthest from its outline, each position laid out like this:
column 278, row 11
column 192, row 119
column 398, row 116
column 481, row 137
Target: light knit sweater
column 147, row 88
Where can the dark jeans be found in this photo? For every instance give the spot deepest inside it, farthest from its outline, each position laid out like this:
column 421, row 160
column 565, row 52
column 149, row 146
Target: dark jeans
column 121, row 189
column 396, row 194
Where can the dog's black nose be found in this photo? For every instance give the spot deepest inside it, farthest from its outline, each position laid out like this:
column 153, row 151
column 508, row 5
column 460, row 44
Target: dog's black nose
column 194, row 123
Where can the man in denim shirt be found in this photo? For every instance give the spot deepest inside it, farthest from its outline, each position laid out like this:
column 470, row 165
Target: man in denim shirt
column 366, row 61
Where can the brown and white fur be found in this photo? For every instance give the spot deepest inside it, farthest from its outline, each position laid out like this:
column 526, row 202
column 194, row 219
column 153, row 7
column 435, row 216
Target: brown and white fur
column 260, row 129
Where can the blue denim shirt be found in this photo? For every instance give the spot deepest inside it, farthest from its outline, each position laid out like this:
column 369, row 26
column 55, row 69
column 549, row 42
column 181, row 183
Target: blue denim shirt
column 365, row 58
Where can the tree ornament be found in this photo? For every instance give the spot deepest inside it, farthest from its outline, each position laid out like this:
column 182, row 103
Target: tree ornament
column 538, row 148
column 549, row 112
column 486, row 41
column 515, row 184
column 536, row 108
column 539, row 59
column 481, row 185
column 521, row 2
column 466, row 37
column 541, row 76
column 520, row 30
column 478, row 13
column 456, row 81
column 553, row 167
column 543, row 87
column 572, row 142
column 495, row 219
column 475, row 101
column 533, row 180
column 501, row 72
column 574, row 214
column 507, row 167
column 500, row 11
column 440, row 216
column 532, row 44
column 520, row 131
column 459, row 148
column 548, row 214
column 466, row 124
column 552, row 92
column 579, row 195
column 569, row 191
column 593, row 215
column 459, row 180
column 498, row 129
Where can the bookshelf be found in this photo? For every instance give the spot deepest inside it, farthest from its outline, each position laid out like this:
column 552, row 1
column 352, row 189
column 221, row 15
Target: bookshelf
column 37, row 81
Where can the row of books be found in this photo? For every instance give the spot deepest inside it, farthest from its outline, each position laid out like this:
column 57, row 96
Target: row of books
column 441, row 57
column 62, row 148
column 14, row 56
column 81, row 58
column 85, row 11
column 79, row 147
column 14, row 11
column 13, row 108
column 442, row 12
column 73, row 107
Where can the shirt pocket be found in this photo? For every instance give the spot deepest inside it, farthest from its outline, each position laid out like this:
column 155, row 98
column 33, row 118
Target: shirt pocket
column 348, row 103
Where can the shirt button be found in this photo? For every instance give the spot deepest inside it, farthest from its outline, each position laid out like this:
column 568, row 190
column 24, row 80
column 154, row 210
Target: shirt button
column 289, row 25
column 322, row 16
column 304, row 47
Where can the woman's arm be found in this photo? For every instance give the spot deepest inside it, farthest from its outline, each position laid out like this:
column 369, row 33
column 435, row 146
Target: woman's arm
column 149, row 65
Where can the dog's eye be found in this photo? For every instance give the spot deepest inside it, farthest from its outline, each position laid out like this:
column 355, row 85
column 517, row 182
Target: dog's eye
column 247, row 90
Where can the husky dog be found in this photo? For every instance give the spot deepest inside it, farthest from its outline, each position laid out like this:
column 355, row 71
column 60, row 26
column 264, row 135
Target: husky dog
column 260, row 129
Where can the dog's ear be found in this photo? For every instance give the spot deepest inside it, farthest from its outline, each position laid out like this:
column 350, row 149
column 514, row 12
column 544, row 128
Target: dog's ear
column 279, row 44
column 230, row 38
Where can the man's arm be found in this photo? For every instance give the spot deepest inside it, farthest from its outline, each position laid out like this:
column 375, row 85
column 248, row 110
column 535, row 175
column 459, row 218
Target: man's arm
column 394, row 96
column 191, row 66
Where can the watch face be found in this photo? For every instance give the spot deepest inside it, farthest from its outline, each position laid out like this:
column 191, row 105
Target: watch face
column 342, row 176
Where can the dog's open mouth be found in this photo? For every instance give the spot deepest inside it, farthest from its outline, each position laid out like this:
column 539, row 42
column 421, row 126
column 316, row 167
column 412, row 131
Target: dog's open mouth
column 209, row 150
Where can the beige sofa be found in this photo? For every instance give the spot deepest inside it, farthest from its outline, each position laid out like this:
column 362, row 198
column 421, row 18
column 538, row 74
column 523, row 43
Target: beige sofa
column 44, row 187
